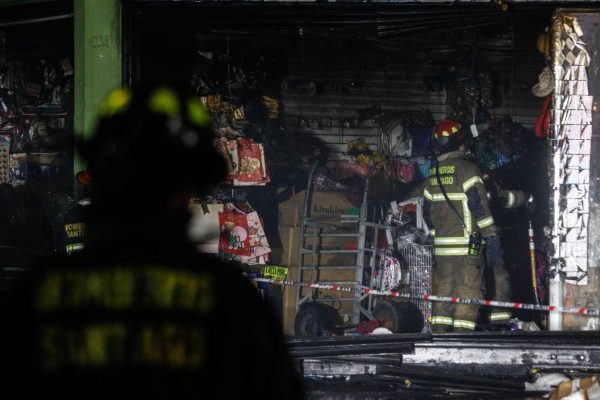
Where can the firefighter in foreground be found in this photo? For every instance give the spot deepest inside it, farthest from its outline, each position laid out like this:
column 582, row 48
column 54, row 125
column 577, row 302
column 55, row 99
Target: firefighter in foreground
column 457, row 212
column 138, row 312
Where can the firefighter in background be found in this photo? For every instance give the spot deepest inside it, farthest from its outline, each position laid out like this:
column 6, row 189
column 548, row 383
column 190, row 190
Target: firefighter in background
column 495, row 262
column 456, row 210
column 73, row 226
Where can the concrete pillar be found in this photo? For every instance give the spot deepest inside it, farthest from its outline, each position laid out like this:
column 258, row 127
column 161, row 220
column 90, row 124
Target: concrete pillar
column 98, row 61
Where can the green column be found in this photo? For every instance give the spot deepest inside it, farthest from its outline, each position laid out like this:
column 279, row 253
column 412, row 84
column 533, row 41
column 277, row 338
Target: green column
column 98, row 66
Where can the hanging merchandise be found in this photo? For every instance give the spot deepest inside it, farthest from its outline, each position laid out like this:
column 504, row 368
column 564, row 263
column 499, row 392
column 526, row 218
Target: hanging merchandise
column 424, row 166
column 263, row 70
column 394, row 140
column 542, row 122
column 234, row 238
column 225, row 115
column 545, row 84
column 389, row 273
column 352, row 187
column 502, row 143
column 324, row 181
column 543, row 44
column 65, row 65
column 360, row 152
column 359, row 149
column 32, row 111
column 243, row 88
column 241, row 94
column 217, row 73
column 419, row 125
column 259, row 245
column 271, row 104
column 8, row 110
column 470, row 85
column 242, row 234
column 485, row 152
column 346, row 169
column 252, row 168
column 421, row 135
column 404, row 170
column 18, row 168
column 245, row 161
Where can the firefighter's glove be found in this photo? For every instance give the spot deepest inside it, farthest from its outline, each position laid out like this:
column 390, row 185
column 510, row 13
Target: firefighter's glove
column 493, row 252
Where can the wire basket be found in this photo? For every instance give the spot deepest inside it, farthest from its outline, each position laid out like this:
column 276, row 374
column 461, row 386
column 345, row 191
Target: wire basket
column 418, row 263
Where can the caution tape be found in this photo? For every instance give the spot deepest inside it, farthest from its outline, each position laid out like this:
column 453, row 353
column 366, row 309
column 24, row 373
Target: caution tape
column 489, row 303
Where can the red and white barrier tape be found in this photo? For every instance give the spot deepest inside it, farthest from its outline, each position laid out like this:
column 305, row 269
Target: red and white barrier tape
column 490, row 303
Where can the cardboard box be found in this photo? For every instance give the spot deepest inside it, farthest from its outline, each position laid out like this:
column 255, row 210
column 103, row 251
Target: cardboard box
column 331, row 204
column 323, row 205
column 290, row 210
column 290, row 240
column 289, row 258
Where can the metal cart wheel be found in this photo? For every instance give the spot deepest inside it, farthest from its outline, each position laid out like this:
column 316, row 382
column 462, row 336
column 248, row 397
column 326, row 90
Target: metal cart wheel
column 316, row 319
column 399, row 317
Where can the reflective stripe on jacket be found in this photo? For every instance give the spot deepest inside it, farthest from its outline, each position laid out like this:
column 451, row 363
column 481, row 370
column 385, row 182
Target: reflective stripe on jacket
column 464, row 186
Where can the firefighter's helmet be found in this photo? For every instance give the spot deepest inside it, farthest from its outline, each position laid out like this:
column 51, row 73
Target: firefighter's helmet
column 447, row 136
column 153, row 136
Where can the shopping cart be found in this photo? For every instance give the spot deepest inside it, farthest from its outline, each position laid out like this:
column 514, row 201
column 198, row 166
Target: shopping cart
column 417, row 263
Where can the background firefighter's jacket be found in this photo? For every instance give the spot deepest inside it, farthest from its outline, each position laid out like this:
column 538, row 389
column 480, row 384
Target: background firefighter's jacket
column 503, row 198
column 464, row 186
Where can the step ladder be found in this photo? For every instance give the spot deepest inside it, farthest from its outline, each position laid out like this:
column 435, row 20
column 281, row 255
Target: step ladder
column 313, row 258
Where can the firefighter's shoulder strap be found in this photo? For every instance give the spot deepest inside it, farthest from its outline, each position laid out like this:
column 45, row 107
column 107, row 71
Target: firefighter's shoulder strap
column 439, row 180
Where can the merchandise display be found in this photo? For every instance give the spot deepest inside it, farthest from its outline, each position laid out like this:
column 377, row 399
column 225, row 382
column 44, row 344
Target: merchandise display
column 242, row 234
column 34, row 107
column 279, row 134
column 260, row 152
column 36, row 135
